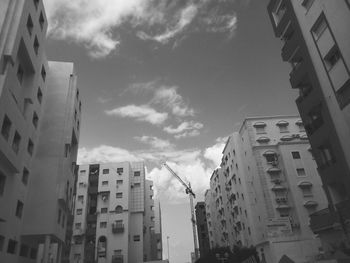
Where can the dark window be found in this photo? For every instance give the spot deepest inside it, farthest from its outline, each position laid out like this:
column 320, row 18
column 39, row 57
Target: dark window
column 319, row 27
column 2, row 241
column 23, row 252
column 136, row 238
column 19, row 209
column 20, row 73
column 36, row 3
column 39, row 95
column 2, row 183
column 16, row 142
column 30, row 25
column 30, row 147
column 137, row 173
column 296, row 155
column 41, row 20
column 301, row 172
column 307, row 3
column 12, row 246
column 25, row 176
column 59, row 216
column 120, row 170
column 332, row 57
column 35, row 119
column 119, row 195
column 6, row 127
column 33, row 253
column 43, row 73
column 105, row 171
column 104, row 210
column 327, row 155
column 315, row 119
column 36, row 45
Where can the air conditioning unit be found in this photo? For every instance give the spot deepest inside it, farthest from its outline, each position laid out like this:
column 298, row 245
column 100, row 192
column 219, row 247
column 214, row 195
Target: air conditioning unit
column 295, row 135
column 283, row 199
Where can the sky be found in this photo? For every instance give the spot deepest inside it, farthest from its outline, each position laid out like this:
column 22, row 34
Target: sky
column 166, row 80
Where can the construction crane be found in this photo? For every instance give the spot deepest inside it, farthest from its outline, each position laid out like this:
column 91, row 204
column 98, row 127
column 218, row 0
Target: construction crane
column 191, row 194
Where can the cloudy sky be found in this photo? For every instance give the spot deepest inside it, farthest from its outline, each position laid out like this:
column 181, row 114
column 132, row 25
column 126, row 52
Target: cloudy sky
column 166, row 80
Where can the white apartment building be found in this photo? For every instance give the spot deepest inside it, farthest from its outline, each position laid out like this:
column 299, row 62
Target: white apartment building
column 114, row 214
column 316, row 42
column 272, row 186
column 39, row 121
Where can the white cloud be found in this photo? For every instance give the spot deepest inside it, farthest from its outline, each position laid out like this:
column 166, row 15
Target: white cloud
column 192, row 133
column 185, row 126
column 141, row 113
column 95, row 24
column 155, row 142
column 214, row 153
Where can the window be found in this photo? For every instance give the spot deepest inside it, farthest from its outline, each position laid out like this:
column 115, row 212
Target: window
column 83, row 171
column 43, row 73
column 59, row 216
column 41, row 20
column 6, row 127
column 119, row 182
column 33, row 253
column 36, row 3
column 104, row 210
column 301, row 172
column 25, row 176
column 20, row 73
column 12, row 246
column 75, row 114
column 315, row 119
column 120, row 170
column 81, row 184
column 103, row 224
column 104, row 183
column 137, row 173
column 2, row 241
column 105, row 171
column 332, row 57
column 63, row 220
column 35, row 119
column 19, row 209
column 137, row 238
column 137, row 185
column 306, row 191
column 79, row 211
column 77, row 225
column 319, row 27
column 2, row 183
column 30, row 147
column 30, row 25
column 327, row 156
column 307, row 3
column 36, row 45
column 296, row 155
column 81, row 198
column 39, row 95
column 283, row 128
column 119, row 195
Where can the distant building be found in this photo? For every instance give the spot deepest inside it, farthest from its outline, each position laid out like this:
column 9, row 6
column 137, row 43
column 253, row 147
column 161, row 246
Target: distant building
column 316, row 42
column 39, row 121
column 265, row 189
column 114, row 215
column 202, row 229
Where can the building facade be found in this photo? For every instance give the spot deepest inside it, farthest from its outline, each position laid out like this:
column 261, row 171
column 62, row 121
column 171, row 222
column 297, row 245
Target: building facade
column 114, row 214
column 270, row 186
column 39, row 117
column 202, row 228
column 317, row 45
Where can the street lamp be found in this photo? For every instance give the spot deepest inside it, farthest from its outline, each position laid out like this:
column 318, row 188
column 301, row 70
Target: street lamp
column 222, row 257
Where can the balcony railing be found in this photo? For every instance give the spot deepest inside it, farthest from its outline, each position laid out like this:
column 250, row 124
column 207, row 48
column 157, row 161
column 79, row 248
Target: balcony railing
column 117, row 228
column 118, row 259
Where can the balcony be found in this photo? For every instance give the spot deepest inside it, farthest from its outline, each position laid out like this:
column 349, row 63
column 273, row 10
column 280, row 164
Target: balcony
column 298, row 73
column 90, row 231
column 282, row 19
column 290, row 45
column 323, row 220
column 93, row 190
column 117, row 228
column 91, row 218
column 117, row 259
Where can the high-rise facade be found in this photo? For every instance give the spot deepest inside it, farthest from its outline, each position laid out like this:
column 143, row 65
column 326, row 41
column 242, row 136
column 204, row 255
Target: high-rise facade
column 39, row 121
column 202, row 228
column 114, row 214
column 316, row 42
column 265, row 189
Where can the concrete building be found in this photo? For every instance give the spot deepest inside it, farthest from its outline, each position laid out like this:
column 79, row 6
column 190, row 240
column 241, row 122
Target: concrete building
column 272, row 185
column 39, row 118
column 202, row 228
column 114, row 214
column 316, row 42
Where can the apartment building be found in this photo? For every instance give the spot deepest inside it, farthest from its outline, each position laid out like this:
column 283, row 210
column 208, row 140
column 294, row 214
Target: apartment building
column 156, row 238
column 272, row 185
column 202, row 228
column 316, row 42
column 114, row 214
column 39, row 139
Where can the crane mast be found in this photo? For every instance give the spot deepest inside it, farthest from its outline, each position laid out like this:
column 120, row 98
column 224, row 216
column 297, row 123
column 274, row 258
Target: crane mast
column 191, row 195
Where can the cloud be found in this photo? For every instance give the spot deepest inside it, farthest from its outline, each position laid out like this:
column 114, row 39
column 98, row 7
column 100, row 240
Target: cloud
column 155, row 142
column 141, row 113
column 97, row 24
column 214, row 153
column 185, row 129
